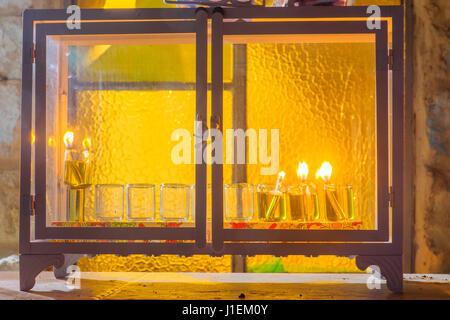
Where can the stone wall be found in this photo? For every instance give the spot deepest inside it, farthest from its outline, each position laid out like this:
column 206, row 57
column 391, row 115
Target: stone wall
column 10, row 85
column 431, row 111
column 10, row 97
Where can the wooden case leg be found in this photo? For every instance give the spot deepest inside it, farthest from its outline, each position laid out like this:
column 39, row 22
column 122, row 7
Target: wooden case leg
column 30, row 265
column 390, row 268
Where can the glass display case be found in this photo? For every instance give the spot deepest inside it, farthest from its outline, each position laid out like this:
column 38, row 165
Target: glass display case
column 212, row 131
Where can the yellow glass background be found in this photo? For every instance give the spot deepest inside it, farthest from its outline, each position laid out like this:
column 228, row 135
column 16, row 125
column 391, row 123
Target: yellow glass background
column 322, row 100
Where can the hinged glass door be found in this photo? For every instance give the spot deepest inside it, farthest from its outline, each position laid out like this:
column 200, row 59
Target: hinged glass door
column 314, row 126
column 113, row 101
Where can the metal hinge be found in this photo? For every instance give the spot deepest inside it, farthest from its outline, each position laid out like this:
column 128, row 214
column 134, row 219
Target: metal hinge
column 33, row 53
column 391, row 59
column 33, row 204
column 391, row 196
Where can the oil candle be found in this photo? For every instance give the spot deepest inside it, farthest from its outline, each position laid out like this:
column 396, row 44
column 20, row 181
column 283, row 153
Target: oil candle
column 298, row 203
column 304, row 203
column 265, row 197
column 333, row 209
column 77, row 176
column 345, row 197
column 272, row 201
column 276, row 196
column 301, row 200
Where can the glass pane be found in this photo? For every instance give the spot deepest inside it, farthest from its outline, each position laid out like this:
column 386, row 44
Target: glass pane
column 120, row 111
column 311, row 100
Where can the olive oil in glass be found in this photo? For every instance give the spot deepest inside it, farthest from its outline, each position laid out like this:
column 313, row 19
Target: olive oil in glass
column 78, row 177
column 271, row 204
column 333, row 208
column 304, row 202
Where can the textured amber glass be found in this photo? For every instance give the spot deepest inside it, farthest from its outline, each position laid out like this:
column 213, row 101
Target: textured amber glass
column 128, row 99
column 322, row 99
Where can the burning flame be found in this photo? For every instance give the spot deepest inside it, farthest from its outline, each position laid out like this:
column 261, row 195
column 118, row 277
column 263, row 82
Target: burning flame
column 33, row 137
column 324, row 172
column 87, row 143
column 68, row 139
column 302, row 171
column 279, row 180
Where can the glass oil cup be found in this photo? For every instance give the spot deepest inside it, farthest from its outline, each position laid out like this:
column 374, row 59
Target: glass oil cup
column 346, row 199
column 77, row 178
column 334, row 206
column 140, row 202
column 174, row 205
column 271, row 203
column 238, row 201
column 109, row 202
column 303, row 203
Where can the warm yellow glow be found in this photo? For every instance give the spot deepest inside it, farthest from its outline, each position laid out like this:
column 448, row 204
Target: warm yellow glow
column 33, row 137
column 302, row 171
column 324, row 172
column 51, row 142
column 68, row 139
column 359, row 79
column 118, row 4
column 87, row 143
column 112, row 4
